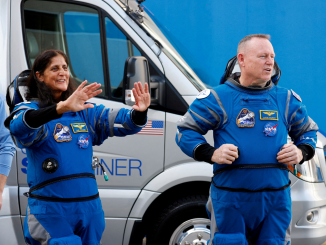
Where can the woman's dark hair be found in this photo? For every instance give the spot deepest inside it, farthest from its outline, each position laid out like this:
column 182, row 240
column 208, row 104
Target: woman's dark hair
column 38, row 90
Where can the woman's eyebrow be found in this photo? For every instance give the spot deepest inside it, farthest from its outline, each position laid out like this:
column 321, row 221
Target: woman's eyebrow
column 52, row 66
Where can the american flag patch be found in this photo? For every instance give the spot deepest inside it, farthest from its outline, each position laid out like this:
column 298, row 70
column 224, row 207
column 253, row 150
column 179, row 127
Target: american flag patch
column 152, row 128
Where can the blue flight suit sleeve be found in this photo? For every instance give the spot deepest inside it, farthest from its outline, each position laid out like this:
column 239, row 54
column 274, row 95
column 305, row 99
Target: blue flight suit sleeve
column 302, row 129
column 110, row 122
column 102, row 122
column 24, row 135
column 7, row 147
column 203, row 114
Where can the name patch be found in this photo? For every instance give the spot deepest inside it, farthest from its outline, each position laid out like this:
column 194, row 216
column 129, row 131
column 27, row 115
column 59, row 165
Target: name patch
column 270, row 129
column 246, row 118
column 83, row 141
column 61, row 133
column 268, row 115
column 79, row 128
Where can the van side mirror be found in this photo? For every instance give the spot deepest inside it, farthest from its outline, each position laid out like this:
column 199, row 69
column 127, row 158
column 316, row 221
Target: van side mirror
column 136, row 70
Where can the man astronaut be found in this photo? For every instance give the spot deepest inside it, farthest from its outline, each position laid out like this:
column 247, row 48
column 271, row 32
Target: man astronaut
column 250, row 198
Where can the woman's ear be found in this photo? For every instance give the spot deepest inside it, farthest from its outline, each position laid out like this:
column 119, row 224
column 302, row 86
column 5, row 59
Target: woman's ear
column 39, row 76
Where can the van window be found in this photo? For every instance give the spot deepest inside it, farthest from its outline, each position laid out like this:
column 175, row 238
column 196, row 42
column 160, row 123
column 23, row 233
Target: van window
column 119, row 49
column 74, row 29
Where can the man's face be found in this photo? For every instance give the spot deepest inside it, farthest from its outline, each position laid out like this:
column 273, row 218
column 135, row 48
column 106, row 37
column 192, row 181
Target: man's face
column 258, row 60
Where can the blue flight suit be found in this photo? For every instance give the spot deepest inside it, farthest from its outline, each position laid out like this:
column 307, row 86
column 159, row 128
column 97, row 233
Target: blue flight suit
column 64, row 205
column 251, row 197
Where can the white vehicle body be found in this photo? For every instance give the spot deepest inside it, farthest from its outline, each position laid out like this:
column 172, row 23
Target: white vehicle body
column 143, row 178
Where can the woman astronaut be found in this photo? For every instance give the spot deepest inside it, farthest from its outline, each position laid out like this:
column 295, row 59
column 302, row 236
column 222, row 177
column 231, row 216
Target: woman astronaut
column 58, row 130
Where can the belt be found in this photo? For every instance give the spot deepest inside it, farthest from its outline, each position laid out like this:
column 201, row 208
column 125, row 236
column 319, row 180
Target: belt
column 61, row 199
column 250, row 166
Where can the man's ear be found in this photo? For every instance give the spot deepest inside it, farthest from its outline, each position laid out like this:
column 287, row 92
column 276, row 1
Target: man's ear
column 240, row 57
column 39, row 76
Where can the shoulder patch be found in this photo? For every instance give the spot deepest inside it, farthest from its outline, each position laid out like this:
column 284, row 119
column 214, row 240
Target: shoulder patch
column 296, row 95
column 203, row 94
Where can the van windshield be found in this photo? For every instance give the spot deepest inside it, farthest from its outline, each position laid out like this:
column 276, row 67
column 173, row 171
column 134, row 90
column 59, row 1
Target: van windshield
column 156, row 29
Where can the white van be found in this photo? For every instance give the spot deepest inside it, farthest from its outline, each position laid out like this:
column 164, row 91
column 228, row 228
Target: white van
column 154, row 190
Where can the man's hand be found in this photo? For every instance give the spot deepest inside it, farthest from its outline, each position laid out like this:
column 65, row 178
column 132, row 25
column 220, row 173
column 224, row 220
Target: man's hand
column 225, row 154
column 290, row 154
column 76, row 101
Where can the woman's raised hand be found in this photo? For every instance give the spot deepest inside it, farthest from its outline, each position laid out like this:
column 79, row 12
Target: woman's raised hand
column 76, row 102
column 142, row 97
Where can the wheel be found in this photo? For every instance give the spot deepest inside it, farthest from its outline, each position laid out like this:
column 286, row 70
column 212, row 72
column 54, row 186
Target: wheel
column 183, row 222
column 191, row 231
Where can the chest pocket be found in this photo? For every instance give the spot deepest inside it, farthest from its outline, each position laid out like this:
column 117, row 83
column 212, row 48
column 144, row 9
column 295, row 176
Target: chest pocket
column 255, row 100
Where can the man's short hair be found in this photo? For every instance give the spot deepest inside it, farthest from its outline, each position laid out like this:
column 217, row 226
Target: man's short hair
column 249, row 37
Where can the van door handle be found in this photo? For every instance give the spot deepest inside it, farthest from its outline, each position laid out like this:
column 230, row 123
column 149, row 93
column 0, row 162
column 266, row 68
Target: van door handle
column 157, row 90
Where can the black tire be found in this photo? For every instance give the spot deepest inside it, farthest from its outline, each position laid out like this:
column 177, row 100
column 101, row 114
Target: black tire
column 173, row 215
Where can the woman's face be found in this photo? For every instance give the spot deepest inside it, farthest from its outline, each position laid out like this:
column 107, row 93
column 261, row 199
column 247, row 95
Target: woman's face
column 56, row 76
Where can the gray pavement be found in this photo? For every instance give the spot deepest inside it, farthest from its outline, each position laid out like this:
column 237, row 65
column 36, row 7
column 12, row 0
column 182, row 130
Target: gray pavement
column 144, row 242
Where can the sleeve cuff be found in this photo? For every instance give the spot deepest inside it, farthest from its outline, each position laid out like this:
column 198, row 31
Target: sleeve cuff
column 308, row 152
column 204, row 152
column 5, row 168
column 139, row 119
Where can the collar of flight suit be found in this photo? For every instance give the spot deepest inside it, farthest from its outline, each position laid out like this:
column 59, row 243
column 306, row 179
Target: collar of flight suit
column 234, row 79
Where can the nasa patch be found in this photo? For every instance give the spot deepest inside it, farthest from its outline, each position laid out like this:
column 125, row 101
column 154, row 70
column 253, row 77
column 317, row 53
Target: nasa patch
column 83, row 141
column 296, row 95
column 270, row 129
column 61, row 133
column 246, row 118
column 203, row 94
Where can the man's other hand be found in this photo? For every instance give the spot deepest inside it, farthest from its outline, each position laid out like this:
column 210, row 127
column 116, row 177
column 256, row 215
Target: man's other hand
column 289, row 154
column 225, row 154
